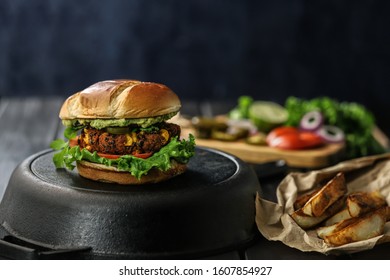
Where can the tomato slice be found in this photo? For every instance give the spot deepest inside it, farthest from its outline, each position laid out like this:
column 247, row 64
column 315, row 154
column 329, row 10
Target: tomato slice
column 290, row 138
column 111, row 156
column 279, row 131
column 143, row 155
column 73, row 142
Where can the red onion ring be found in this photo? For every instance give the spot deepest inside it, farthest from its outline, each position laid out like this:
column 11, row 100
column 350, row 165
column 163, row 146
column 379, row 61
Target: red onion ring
column 331, row 134
column 311, row 121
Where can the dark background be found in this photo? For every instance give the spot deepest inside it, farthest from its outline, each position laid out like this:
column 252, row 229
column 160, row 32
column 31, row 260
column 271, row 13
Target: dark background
column 202, row 49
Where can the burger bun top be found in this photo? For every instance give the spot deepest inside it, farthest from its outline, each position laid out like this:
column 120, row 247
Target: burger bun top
column 120, row 99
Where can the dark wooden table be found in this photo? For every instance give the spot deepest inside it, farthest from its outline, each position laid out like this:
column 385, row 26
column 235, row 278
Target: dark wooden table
column 28, row 125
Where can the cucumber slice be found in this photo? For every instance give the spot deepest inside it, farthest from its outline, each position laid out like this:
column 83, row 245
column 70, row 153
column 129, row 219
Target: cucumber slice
column 267, row 115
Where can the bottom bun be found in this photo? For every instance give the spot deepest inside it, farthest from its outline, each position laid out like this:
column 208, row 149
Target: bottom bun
column 110, row 174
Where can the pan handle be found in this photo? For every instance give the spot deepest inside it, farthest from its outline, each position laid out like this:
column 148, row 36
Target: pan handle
column 17, row 249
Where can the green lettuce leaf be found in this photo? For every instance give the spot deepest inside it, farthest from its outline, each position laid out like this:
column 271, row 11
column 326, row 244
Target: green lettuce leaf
column 179, row 150
column 71, row 131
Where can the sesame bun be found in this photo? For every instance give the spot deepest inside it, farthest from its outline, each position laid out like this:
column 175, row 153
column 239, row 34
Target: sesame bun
column 120, row 99
column 110, row 174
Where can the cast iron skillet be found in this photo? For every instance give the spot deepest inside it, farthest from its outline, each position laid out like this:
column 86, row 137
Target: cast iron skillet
column 49, row 213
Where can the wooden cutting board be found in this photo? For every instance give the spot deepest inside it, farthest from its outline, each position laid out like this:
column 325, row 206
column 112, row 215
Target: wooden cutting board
column 313, row 158
column 309, row 158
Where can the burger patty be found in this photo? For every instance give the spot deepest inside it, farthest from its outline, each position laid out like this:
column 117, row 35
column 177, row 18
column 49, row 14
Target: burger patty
column 136, row 142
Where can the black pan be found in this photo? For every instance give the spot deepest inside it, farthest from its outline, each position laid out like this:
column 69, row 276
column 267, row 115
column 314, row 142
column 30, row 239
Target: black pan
column 49, row 213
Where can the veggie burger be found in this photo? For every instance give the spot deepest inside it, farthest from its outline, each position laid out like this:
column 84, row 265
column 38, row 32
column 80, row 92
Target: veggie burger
column 117, row 131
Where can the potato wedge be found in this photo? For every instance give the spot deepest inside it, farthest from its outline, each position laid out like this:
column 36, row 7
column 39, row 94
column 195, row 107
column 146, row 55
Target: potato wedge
column 338, row 217
column 362, row 228
column 306, row 221
column 359, row 203
column 302, row 199
column 328, row 194
column 329, row 230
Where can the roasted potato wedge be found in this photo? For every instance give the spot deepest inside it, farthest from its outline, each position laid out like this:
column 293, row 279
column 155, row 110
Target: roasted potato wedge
column 338, row 217
column 302, row 199
column 369, row 225
column 359, row 203
column 305, row 221
column 322, row 232
column 387, row 214
column 326, row 196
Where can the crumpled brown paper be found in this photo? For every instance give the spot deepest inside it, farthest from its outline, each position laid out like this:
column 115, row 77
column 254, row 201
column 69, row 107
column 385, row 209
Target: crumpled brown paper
column 362, row 174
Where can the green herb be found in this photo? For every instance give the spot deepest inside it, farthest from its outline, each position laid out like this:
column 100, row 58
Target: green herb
column 242, row 109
